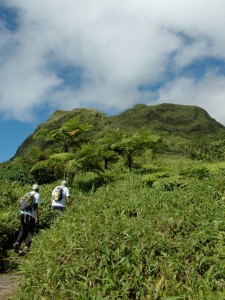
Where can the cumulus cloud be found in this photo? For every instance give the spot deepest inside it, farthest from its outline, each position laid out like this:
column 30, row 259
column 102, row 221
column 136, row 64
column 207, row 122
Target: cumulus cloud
column 207, row 93
column 111, row 55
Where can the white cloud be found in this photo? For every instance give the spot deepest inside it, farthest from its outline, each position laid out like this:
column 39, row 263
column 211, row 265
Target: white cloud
column 207, row 93
column 119, row 46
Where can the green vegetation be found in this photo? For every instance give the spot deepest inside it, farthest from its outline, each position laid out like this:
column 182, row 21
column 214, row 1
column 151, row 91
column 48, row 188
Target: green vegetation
column 146, row 219
column 179, row 123
column 126, row 240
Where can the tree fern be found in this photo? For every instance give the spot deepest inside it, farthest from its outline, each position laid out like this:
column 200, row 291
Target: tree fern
column 62, row 157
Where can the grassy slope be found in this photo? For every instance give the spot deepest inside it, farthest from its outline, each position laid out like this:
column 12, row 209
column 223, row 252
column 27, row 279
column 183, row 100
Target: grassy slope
column 127, row 241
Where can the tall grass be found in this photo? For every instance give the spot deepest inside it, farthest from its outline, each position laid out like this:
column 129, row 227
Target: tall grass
column 127, row 241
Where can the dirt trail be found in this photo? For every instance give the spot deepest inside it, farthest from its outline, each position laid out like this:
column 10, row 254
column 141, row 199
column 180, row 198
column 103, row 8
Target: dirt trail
column 8, row 285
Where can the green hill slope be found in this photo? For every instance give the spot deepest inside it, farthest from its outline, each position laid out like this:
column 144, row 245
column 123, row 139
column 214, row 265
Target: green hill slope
column 174, row 118
column 180, row 122
column 128, row 241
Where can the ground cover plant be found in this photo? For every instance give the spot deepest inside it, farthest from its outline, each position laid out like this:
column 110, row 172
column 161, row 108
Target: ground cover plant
column 10, row 194
column 125, row 240
column 145, row 222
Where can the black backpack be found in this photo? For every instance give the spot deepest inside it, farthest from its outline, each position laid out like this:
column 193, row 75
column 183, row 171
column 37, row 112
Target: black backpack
column 26, row 202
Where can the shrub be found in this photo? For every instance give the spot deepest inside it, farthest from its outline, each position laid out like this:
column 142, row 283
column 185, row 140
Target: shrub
column 126, row 241
column 16, row 171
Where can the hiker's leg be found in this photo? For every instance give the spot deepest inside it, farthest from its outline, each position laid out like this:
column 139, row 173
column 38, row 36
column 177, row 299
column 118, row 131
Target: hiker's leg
column 24, row 229
column 22, row 234
column 30, row 232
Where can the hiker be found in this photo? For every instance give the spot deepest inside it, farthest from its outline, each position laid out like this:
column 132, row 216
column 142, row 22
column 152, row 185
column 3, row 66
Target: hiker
column 28, row 219
column 60, row 197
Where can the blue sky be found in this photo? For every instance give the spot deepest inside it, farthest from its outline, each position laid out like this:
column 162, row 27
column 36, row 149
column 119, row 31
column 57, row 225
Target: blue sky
column 108, row 55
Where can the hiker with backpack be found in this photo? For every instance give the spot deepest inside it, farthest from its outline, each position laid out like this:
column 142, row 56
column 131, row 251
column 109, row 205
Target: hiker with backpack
column 28, row 219
column 60, row 197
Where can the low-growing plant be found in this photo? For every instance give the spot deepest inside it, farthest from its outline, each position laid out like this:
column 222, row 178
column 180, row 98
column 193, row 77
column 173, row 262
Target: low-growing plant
column 199, row 172
column 16, row 171
column 126, row 241
column 170, row 183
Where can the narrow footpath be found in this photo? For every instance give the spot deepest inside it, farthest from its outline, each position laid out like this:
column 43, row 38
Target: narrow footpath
column 8, row 285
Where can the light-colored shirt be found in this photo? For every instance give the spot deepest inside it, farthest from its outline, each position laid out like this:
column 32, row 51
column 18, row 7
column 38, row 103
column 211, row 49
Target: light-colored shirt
column 62, row 202
column 36, row 200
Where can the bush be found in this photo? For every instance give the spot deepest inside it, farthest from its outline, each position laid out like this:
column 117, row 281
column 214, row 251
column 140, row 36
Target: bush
column 16, row 172
column 128, row 242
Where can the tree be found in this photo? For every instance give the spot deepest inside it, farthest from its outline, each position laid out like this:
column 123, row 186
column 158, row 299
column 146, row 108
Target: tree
column 67, row 135
column 52, row 168
column 88, row 159
column 103, row 147
column 130, row 146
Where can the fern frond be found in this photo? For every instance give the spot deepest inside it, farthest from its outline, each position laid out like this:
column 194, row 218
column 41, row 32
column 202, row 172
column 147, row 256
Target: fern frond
column 64, row 156
column 42, row 165
column 72, row 166
column 41, row 134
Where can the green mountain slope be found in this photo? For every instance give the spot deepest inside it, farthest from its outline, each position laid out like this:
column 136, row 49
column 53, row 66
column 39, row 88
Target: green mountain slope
column 178, row 121
column 172, row 118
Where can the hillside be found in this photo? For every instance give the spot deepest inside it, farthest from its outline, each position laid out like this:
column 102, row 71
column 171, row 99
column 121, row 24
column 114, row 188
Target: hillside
column 153, row 232
column 174, row 118
column 127, row 240
column 181, row 122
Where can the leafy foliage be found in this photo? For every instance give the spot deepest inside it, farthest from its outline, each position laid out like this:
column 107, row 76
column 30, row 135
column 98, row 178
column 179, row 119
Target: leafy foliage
column 178, row 123
column 154, row 232
column 127, row 241
column 163, row 181
column 207, row 150
column 130, row 146
column 45, row 171
column 16, row 171
column 66, row 135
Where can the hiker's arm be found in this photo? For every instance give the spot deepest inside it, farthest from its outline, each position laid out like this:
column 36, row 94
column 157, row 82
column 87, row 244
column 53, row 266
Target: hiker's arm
column 67, row 199
column 36, row 213
column 67, row 196
column 52, row 197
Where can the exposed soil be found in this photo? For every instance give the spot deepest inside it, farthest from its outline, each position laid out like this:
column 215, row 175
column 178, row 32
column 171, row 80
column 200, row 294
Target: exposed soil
column 8, row 285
